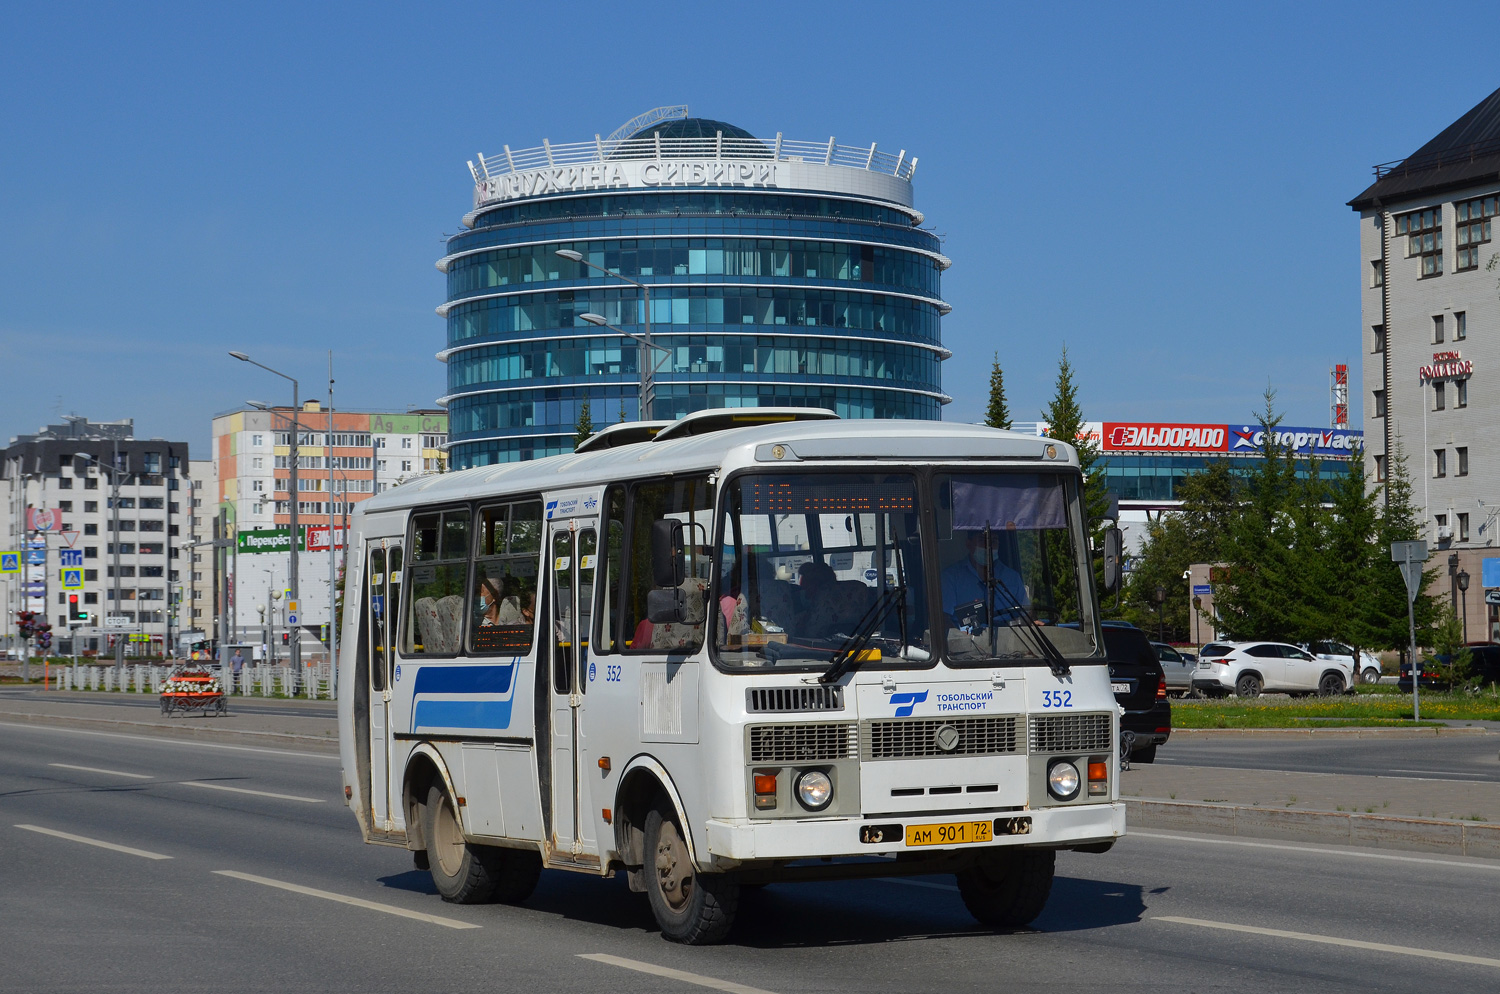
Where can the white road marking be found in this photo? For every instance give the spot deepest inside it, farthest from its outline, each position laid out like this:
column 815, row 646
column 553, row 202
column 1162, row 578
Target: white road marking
column 917, row 883
column 357, row 902
column 1355, row 853
column 181, row 743
column 93, row 842
column 1424, row 779
column 671, row 974
column 1329, row 940
column 94, row 769
column 1443, row 773
column 246, row 790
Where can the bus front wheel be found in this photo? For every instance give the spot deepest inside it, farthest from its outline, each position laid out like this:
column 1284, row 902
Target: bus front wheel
column 691, row 907
column 1009, row 889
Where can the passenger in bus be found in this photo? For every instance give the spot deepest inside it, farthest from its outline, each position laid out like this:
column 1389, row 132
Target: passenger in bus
column 816, row 582
column 517, row 609
column 962, row 585
column 489, row 603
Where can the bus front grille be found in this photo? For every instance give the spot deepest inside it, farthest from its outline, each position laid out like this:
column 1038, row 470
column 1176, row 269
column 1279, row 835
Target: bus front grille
column 989, row 736
column 1051, row 733
column 804, row 743
column 771, row 700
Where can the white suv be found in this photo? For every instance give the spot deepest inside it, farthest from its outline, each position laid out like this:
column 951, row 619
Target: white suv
column 1368, row 669
column 1248, row 668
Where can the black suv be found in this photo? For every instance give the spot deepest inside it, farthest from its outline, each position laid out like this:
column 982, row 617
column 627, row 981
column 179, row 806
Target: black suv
column 1484, row 665
column 1140, row 688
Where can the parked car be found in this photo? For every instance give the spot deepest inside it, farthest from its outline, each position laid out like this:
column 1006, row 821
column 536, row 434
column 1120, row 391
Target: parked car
column 1177, row 666
column 1249, row 668
column 1140, row 688
column 1368, row 668
column 1484, row 665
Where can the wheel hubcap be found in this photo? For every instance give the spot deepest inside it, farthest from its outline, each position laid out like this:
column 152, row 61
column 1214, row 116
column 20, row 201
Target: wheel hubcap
column 449, row 841
column 674, row 874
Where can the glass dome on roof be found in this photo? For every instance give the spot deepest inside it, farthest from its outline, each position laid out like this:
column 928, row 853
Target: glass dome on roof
column 692, row 127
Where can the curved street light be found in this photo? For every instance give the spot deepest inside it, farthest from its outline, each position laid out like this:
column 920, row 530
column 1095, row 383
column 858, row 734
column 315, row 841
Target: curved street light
column 647, row 369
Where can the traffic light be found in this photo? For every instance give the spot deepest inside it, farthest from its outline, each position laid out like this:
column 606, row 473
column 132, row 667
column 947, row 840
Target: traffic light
column 43, row 635
column 25, row 623
column 286, row 638
column 74, row 613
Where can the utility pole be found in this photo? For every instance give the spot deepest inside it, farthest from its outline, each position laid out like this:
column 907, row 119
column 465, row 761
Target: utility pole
column 333, row 628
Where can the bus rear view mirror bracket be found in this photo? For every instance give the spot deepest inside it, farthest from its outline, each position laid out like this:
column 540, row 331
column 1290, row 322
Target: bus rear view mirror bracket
column 1113, row 541
column 667, row 568
column 666, row 605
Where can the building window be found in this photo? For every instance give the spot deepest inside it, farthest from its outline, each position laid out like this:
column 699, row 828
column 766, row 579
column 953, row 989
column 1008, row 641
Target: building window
column 91, row 598
column 258, row 486
column 65, row 505
column 406, row 443
column 91, row 552
column 91, row 483
column 1441, row 520
column 90, row 575
column 257, row 440
column 1380, row 403
column 65, row 483
column 1463, row 460
column 257, row 463
column 90, row 529
column 1379, row 331
column 1439, row 463
column 1437, row 329
column 1424, row 231
column 1438, row 402
column 1473, row 229
column 406, row 465
column 90, row 507
column 1463, row 527
column 1377, row 273
column 1460, row 325
column 1380, row 467
column 1461, row 393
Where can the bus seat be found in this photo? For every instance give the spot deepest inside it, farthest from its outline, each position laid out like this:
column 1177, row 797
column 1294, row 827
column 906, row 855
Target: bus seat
column 775, row 603
column 690, row 632
column 851, row 600
column 429, row 623
column 450, row 612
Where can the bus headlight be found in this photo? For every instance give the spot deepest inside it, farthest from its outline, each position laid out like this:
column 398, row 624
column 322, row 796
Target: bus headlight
column 814, row 790
column 1063, row 780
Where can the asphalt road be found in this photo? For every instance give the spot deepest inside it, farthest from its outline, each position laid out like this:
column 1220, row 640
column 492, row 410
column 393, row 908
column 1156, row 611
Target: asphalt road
column 1466, row 758
column 248, row 889
column 240, row 705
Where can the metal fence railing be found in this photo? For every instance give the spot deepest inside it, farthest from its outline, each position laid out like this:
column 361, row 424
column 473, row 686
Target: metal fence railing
column 314, row 682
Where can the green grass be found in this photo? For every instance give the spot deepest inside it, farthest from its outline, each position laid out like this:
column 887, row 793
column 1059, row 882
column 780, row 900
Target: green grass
column 1372, row 710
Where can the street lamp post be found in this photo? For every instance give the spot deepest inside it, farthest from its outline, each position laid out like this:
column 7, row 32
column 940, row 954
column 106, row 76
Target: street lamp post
column 648, row 369
column 1463, row 589
column 292, row 457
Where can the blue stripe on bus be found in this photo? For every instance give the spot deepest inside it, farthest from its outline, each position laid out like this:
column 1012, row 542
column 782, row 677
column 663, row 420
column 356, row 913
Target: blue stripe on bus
column 463, row 679
column 461, row 714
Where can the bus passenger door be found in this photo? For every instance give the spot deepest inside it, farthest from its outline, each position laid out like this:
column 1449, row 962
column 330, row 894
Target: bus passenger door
column 572, row 560
column 383, row 610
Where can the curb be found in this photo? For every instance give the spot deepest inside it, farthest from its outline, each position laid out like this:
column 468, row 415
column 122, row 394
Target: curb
column 285, row 740
column 1375, row 731
column 1434, row 835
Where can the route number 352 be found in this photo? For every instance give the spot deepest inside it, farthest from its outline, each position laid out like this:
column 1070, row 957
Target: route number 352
column 1057, row 698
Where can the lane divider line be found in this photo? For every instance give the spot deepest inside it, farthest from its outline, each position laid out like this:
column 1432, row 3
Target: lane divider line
column 666, row 971
column 1354, row 853
column 246, row 790
column 95, row 769
column 357, row 902
column 93, row 842
column 1443, row 773
column 179, row 743
column 1329, row 940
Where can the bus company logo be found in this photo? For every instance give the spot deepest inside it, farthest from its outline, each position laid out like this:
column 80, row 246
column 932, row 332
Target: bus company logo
column 551, row 506
column 907, row 702
column 590, row 503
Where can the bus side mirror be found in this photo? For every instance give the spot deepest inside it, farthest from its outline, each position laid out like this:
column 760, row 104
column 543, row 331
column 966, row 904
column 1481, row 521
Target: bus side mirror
column 666, row 553
column 666, row 606
column 1112, row 542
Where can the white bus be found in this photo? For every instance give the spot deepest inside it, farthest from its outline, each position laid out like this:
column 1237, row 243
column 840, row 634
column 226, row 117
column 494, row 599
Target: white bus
column 745, row 647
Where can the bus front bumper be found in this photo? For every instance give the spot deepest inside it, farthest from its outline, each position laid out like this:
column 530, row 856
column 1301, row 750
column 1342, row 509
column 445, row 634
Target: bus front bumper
column 1058, row 827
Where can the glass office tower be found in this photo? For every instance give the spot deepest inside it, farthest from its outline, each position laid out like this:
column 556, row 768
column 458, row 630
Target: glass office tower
column 781, row 273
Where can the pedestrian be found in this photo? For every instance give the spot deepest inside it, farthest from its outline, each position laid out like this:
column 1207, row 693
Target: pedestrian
column 236, row 663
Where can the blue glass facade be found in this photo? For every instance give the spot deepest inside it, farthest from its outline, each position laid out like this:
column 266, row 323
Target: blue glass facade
column 763, row 297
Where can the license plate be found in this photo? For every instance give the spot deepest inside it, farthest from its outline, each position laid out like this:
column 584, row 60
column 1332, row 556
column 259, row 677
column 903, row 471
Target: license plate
column 1120, row 688
column 954, row 833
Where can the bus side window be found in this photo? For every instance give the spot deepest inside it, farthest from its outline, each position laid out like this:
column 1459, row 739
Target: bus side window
column 689, row 500
column 562, row 609
column 504, row 616
column 377, row 619
column 439, row 581
column 608, row 639
column 588, row 557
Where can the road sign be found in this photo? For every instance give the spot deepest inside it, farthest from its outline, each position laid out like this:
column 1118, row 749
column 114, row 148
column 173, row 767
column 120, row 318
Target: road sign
column 1489, row 572
column 291, row 619
column 72, row 579
column 292, row 606
column 118, row 621
column 1199, row 589
column 1492, row 596
column 1411, row 556
column 70, row 537
column 70, row 557
column 36, row 557
column 35, row 588
column 10, row 562
column 37, row 543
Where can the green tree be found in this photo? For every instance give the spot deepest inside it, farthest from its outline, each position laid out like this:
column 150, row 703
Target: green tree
column 1399, row 522
column 1447, row 640
column 1351, row 559
column 585, row 426
column 1065, row 421
column 997, row 414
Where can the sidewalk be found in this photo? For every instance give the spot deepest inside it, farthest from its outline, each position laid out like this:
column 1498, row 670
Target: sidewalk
column 279, row 731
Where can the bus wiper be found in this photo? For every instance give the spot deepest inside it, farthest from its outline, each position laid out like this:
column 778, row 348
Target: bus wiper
column 1039, row 639
column 851, row 654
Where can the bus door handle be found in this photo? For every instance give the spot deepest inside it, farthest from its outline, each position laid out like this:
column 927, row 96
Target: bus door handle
column 574, row 700
column 385, row 695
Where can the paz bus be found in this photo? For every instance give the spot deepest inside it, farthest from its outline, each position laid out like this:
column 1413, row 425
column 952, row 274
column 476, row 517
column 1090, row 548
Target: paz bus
column 744, row 647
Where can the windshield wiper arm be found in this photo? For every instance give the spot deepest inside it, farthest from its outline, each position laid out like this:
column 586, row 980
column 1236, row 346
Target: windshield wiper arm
column 851, row 654
column 1042, row 643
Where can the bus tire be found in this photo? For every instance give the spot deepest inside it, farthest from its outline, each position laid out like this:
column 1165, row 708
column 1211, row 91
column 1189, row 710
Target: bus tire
column 691, row 907
column 1010, row 889
column 463, row 873
column 516, row 876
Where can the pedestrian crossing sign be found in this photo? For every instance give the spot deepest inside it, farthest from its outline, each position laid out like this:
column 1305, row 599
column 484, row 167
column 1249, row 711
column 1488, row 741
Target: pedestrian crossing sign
column 10, row 562
column 72, row 579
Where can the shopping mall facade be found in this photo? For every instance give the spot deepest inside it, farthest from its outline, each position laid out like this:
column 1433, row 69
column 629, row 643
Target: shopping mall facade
column 780, row 273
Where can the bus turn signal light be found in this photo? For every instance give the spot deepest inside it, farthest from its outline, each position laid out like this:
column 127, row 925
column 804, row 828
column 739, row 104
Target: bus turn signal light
column 765, row 790
column 1098, row 777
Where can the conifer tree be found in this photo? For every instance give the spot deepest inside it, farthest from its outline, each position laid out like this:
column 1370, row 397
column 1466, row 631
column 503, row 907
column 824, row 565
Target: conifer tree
column 1398, row 523
column 997, row 414
column 585, row 426
column 1066, row 422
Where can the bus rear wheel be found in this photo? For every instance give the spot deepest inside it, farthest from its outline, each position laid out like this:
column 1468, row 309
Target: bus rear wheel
column 1009, row 889
column 691, row 907
column 465, row 873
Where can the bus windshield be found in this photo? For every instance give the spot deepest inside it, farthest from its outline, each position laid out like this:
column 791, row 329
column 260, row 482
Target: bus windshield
column 1012, row 571
column 813, row 563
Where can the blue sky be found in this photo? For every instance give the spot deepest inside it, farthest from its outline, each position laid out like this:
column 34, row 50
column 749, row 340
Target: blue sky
column 1161, row 187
